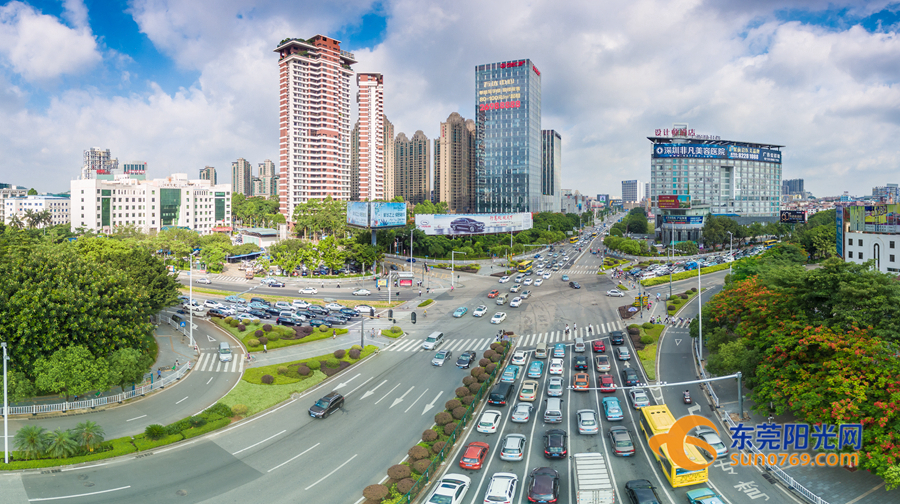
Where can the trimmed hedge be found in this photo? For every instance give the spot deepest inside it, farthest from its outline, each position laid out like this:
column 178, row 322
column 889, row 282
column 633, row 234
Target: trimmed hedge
column 426, row 303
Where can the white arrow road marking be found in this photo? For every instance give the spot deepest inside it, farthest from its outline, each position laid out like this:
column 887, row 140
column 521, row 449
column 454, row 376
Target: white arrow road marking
column 400, row 399
column 385, row 395
column 693, row 410
column 344, row 384
column 414, row 402
column 360, row 385
column 210, row 338
column 433, row 402
column 367, row 394
column 677, row 341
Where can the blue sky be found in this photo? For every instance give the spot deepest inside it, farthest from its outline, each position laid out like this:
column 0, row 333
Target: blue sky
column 183, row 85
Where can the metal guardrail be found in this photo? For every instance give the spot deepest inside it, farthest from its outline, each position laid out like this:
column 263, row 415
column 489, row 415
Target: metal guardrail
column 103, row 401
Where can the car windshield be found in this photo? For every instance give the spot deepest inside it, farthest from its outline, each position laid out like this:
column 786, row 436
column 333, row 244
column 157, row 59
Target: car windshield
column 464, row 357
column 440, row 355
column 441, row 499
column 429, row 339
column 623, row 443
column 322, row 403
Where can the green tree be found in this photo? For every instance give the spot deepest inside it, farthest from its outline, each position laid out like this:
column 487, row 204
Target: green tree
column 61, row 444
column 19, row 387
column 127, row 366
column 88, row 435
column 72, row 370
column 32, row 192
column 31, row 441
column 332, row 254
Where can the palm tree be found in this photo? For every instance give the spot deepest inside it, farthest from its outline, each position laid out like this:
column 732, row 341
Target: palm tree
column 88, row 435
column 31, row 441
column 61, row 444
column 44, row 217
column 16, row 221
column 31, row 217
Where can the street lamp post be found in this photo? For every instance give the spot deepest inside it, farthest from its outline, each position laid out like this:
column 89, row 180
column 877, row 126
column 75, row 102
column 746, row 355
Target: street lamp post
column 452, row 254
column 191, row 295
column 5, row 410
column 730, row 249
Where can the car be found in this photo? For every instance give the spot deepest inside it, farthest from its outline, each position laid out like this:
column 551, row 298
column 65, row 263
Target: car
column 275, row 283
column 520, row 277
column 516, row 302
column 543, row 485
column 536, row 369
column 233, row 299
column 630, row 377
column 479, row 311
column 711, row 437
column 459, row 312
column 490, row 419
column 501, row 489
column 556, row 367
column 615, row 293
column 639, row 398
column 287, row 321
column 587, row 421
column 580, row 382
column 299, row 304
column 433, row 340
column 524, row 294
column 204, row 280
column 327, row 405
column 565, row 278
column 623, row 354
column 538, row 281
column 333, row 321
column 215, row 312
column 410, row 259
column 555, row 443
column 362, row 292
column 522, row 413
column 519, row 357
column 365, row 309
column 555, row 386
column 394, row 267
column 579, row 362
column 515, row 288
column 504, row 279
column 607, row 383
column 318, row 322
column 494, row 293
column 260, row 314
column 703, row 496
column 617, row 337
column 621, row 441
column 441, row 357
column 246, row 317
column 309, row 290
column 641, row 492
column 228, row 311
column 546, row 275
column 601, row 363
column 451, row 489
column 466, row 224
column 510, row 373
column 498, row 317
column 349, row 312
column 209, row 303
column 529, row 390
column 334, row 307
column 575, row 285
column 283, row 305
column 559, row 350
column 598, row 346
column 528, row 281
column 465, row 359
column 612, row 409
column 473, row 456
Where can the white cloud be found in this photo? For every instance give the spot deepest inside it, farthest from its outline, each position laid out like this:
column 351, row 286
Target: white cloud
column 76, row 13
column 39, row 47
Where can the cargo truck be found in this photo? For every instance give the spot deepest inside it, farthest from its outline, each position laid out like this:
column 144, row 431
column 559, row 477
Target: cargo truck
column 593, row 481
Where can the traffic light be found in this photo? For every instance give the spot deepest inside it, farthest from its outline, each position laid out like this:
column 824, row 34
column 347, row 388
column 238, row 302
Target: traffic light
column 391, row 315
column 412, row 317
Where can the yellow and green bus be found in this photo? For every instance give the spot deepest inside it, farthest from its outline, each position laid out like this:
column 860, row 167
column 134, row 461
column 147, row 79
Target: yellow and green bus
column 657, row 420
column 525, row 266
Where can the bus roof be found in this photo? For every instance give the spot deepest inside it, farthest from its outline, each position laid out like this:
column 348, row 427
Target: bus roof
column 659, row 418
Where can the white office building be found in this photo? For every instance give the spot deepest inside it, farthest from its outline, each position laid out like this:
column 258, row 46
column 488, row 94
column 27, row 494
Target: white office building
column 23, row 206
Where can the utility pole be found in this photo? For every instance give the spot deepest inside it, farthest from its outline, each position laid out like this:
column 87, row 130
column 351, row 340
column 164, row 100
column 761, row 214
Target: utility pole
column 5, row 410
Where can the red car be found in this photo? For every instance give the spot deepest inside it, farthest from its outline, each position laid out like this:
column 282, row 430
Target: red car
column 474, row 455
column 599, row 346
column 493, row 293
column 607, row 384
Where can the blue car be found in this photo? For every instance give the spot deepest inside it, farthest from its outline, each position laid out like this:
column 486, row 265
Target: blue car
column 559, row 350
column 319, row 322
column 462, row 310
column 565, row 278
column 536, row 369
column 612, row 409
column 510, row 373
column 257, row 306
column 235, row 299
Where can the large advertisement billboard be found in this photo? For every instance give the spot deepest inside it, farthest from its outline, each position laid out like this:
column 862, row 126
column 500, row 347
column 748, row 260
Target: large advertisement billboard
column 384, row 215
column 682, row 221
column 466, row 224
column 669, row 201
column 358, row 213
column 793, row 216
column 716, row 151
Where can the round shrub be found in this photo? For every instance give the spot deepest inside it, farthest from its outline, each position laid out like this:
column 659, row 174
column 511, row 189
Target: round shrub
column 429, row 435
column 228, row 320
column 646, row 339
column 473, row 388
column 239, row 410
column 259, row 333
column 417, row 452
column 420, row 466
column 303, row 370
column 437, row 447
column 647, row 325
column 488, row 354
column 693, row 289
column 468, row 400
column 462, row 391
column 282, row 370
column 459, row 412
column 442, row 418
column 324, row 328
column 155, row 432
column 405, row 485
column 354, row 353
column 396, row 329
column 339, row 354
column 497, row 347
column 634, row 331
column 332, row 362
column 356, row 347
column 197, row 421
column 398, row 472
column 253, row 342
column 484, row 362
column 452, row 404
column 672, row 308
column 468, row 380
column 476, row 371
column 267, row 379
column 263, row 340
column 242, row 327
column 234, row 323
column 314, row 365
column 495, row 357
column 683, row 296
column 376, row 492
column 490, row 368
column 273, row 336
column 267, row 327
column 483, row 377
column 449, row 428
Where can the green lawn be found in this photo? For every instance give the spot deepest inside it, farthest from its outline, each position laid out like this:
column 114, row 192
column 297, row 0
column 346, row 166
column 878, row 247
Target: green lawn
column 426, row 303
column 648, row 360
column 250, row 334
column 391, row 334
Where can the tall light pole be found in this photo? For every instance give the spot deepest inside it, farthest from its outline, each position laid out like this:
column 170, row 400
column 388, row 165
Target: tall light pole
column 191, row 289
column 452, row 253
column 5, row 410
column 700, row 314
column 730, row 250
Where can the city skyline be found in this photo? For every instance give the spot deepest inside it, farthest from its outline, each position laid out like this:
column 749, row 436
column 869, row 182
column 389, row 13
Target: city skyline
column 181, row 94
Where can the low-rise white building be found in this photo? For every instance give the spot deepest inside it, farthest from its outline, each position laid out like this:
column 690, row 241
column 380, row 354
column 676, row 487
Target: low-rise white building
column 56, row 206
column 150, row 205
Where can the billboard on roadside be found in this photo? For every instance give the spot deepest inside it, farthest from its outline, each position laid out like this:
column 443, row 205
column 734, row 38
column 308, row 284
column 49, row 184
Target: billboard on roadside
column 469, row 224
column 793, row 216
column 669, row 201
column 383, row 215
column 358, row 213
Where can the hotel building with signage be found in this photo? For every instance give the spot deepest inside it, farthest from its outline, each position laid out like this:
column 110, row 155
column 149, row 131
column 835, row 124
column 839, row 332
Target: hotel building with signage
column 508, row 137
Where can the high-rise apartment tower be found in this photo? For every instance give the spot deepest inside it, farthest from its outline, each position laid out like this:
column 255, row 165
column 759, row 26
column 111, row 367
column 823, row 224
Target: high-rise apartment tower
column 371, row 136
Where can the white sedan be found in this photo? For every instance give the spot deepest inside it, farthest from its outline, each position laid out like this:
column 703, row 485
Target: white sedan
column 363, row 309
column 479, row 311
column 212, row 304
column 527, row 281
column 362, row 292
column 451, row 489
column 228, row 311
column 206, row 281
column 546, row 275
column 309, row 290
column 498, row 317
column 519, row 357
column 516, row 301
column 335, row 306
column 504, row 279
column 489, row 422
column 556, row 366
column 538, row 282
column 615, row 293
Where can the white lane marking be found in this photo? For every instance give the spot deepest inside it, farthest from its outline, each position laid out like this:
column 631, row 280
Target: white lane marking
column 218, row 366
column 360, row 385
column 332, row 472
column 179, row 402
column 210, row 338
column 79, row 468
column 210, row 379
column 433, row 402
column 259, row 443
column 367, row 394
column 414, row 402
column 294, row 457
column 344, row 384
column 241, row 366
column 135, row 418
column 400, row 399
column 389, row 393
column 79, row 495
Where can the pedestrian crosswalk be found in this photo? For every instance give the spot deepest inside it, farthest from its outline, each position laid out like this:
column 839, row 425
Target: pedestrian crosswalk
column 231, row 279
column 209, row 361
column 581, row 270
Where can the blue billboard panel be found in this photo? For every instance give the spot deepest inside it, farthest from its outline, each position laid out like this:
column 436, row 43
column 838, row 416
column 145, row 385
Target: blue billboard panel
column 716, row 151
column 358, row 213
column 384, row 215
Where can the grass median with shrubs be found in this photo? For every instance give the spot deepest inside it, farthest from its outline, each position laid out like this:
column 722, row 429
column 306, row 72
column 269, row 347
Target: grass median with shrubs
column 254, row 335
column 393, row 332
column 426, row 303
column 684, row 275
column 349, row 303
column 649, row 338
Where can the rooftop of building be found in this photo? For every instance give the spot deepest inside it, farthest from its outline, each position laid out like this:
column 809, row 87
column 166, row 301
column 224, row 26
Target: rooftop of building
column 709, row 141
column 310, row 44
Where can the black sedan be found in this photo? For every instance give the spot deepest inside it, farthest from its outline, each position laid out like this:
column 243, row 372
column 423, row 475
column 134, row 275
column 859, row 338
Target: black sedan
column 555, row 444
column 273, row 312
column 641, row 492
column 579, row 362
column 212, row 312
column 349, row 312
column 617, row 337
column 333, row 321
column 465, row 359
column 259, row 314
column 543, row 486
column 276, row 283
column 575, row 285
column 327, row 405
column 287, row 321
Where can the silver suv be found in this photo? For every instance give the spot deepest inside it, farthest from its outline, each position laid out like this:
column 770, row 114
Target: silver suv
column 502, row 488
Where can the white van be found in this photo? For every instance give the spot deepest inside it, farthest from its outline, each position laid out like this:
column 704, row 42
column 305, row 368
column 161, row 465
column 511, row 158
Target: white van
column 224, row 352
column 540, row 350
column 433, row 340
column 501, row 299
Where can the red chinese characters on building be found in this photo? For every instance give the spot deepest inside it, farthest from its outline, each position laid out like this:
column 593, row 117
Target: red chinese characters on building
column 500, row 105
column 535, row 70
column 512, row 64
